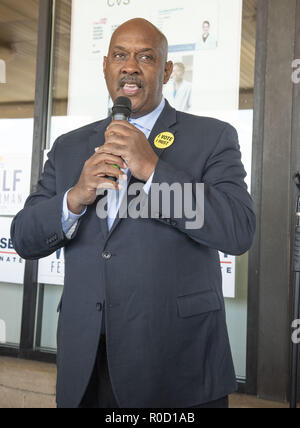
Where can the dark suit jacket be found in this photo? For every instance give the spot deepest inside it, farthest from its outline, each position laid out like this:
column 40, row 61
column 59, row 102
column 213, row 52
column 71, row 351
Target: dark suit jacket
column 167, row 340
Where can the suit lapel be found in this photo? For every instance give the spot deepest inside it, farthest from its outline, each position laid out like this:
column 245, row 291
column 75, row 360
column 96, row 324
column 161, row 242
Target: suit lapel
column 165, row 123
column 97, row 140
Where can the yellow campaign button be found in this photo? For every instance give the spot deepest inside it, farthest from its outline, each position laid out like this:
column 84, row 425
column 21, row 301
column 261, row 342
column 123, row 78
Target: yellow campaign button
column 164, row 140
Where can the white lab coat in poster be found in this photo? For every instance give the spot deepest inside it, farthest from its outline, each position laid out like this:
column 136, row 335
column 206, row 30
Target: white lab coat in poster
column 180, row 99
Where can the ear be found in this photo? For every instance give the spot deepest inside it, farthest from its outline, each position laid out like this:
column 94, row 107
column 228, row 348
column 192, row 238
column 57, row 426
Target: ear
column 104, row 64
column 168, row 71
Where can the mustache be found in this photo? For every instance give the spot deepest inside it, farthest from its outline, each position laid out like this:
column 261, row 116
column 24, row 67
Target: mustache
column 131, row 80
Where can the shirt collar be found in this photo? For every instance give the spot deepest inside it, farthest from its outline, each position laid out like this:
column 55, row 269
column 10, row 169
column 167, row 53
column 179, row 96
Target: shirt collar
column 148, row 121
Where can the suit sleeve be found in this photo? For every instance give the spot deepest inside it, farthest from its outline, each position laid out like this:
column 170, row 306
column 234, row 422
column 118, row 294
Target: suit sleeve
column 228, row 216
column 36, row 231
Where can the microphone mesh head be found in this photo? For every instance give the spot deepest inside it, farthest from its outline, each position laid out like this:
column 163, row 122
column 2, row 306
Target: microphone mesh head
column 122, row 105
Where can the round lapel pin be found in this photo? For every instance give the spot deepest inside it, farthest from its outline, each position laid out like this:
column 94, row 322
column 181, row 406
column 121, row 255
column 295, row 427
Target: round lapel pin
column 164, row 140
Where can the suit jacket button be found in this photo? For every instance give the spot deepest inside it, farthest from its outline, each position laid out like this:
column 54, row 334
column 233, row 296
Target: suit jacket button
column 99, row 307
column 106, row 255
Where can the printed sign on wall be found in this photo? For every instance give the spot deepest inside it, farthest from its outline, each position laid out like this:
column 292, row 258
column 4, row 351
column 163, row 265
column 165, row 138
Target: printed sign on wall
column 14, row 182
column 15, row 164
column 202, row 34
column 52, row 269
column 11, row 265
column 228, row 275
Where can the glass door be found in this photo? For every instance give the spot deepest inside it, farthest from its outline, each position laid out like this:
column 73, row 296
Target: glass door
column 18, row 45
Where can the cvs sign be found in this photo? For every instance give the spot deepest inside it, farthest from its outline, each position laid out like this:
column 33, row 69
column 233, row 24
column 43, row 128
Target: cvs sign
column 112, row 3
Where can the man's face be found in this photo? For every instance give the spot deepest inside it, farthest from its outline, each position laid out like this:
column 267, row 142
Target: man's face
column 206, row 28
column 135, row 68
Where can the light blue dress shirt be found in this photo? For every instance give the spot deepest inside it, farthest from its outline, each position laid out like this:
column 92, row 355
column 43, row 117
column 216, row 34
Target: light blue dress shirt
column 114, row 198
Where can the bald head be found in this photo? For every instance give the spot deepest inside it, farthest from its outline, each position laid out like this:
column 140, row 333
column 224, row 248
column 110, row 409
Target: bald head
column 147, row 28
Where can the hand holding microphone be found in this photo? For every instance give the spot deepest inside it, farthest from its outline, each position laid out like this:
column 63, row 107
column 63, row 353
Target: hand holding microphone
column 125, row 140
column 125, row 147
column 101, row 170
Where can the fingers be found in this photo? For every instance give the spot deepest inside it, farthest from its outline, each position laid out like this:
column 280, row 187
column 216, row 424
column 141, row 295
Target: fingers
column 102, row 181
column 121, row 132
column 114, row 138
column 121, row 127
column 100, row 157
column 106, row 183
column 108, row 171
column 97, row 173
column 102, row 169
column 115, row 149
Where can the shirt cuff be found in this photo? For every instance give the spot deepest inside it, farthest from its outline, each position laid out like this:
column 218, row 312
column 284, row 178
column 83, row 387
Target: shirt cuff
column 67, row 214
column 148, row 184
column 69, row 219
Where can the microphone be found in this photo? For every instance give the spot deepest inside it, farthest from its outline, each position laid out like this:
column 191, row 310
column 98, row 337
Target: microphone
column 121, row 111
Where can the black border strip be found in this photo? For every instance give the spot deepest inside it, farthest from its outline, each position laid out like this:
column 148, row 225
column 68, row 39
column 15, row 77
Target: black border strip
column 256, row 190
column 295, row 161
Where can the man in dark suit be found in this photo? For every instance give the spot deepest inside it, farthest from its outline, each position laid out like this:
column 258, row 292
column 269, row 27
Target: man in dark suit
column 162, row 339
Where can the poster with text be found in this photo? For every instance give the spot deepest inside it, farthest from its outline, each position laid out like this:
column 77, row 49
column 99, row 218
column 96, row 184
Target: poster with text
column 15, row 164
column 203, row 35
column 228, row 275
column 14, row 182
column 52, row 269
column 11, row 265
